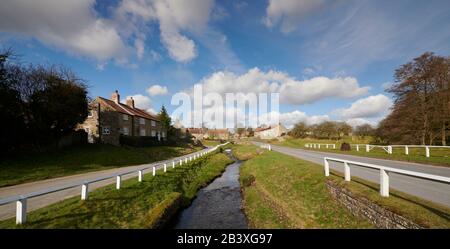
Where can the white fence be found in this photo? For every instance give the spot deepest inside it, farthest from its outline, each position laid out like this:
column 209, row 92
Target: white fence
column 266, row 146
column 388, row 148
column 384, row 173
column 21, row 200
column 314, row 146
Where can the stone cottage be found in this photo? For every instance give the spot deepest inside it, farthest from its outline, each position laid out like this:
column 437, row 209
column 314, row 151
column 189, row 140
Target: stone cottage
column 271, row 132
column 109, row 118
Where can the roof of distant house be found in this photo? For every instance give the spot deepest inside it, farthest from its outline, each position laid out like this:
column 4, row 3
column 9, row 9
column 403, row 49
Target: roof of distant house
column 195, row 130
column 125, row 109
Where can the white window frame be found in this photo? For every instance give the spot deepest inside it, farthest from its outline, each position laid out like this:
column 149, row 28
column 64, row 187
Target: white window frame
column 124, row 116
column 142, row 132
column 163, row 134
column 126, row 131
column 153, row 122
column 106, row 130
column 153, row 133
column 142, row 121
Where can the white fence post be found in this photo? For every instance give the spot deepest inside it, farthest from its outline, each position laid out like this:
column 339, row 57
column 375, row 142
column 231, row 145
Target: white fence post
column 389, row 149
column 319, row 146
column 367, row 148
column 357, row 147
column 326, row 167
column 427, row 151
column 181, row 162
column 84, row 191
column 326, row 146
column 154, row 170
column 347, row 171
column 270, row 147
column 173, row 164
column 118, row 181
column 140, row 175
column 384, row 183
column 21, row 211
column 186, row 160
column 334, row 146
column 406, row 150
column 165, row 167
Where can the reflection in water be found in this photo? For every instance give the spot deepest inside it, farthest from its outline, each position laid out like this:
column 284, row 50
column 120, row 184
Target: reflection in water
column 218, row 205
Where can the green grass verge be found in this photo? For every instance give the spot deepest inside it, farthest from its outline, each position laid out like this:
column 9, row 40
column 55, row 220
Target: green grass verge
column 281, row 191
column 210, row 143
column 439, row 156
column 244, row 152
column 146, row 204
column 82, row 159
column 425, row 213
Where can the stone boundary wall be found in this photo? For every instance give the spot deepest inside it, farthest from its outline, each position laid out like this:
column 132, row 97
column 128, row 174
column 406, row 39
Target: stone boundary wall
column 362, row 207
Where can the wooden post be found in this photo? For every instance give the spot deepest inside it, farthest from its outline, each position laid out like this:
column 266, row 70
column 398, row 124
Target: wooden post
column 165, row 167
column 21, row 211
column 173, row 164
column 406, row 150
column 140, row 175
column 347, row 172
column 84, row 191
column 384, row 183
column 326, row 167
column 427, row 151
column 154, row 170
column 118, row 181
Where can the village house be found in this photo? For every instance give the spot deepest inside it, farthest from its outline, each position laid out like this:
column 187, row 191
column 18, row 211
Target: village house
column 108, row 119
column 223, row 134
column 197, row 133
column 271, row 131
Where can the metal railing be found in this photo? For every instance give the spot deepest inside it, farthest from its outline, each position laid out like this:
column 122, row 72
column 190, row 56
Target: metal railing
column 315, row 145
column 21, row 200
column 384, row 173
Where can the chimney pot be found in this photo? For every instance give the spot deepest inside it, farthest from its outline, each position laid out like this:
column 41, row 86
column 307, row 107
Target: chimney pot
column 130, row 102
column 116, row 97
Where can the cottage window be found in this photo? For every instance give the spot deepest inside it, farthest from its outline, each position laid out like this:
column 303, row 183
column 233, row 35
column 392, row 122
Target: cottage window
column 142, row 121
column 126, row 131
column 153, row 123
column 142, row 133
column 106, row 131
column 163, row 134
column 153, row 133
column 90, row 114
column 125, row 116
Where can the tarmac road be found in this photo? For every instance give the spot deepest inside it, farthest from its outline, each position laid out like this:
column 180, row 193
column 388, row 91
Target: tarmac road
column 426, row 189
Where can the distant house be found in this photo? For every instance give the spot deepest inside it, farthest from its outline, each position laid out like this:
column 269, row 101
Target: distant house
column 109, row 118
column 271, row 131
column 217, row 134
column 197, row 133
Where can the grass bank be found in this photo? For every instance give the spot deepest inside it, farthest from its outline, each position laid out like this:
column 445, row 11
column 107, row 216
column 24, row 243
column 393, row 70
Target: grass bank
column 81, row 159
column 146, row 204
column 439, row 156
column 281, row 191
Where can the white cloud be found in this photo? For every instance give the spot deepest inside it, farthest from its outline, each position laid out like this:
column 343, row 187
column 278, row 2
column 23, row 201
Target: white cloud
column 157, row 90
column 288, row 13
column 289, row 119
column 141, row 101
column 174, row 17
column 372, row 106
column 70, row 25
column 292, row 91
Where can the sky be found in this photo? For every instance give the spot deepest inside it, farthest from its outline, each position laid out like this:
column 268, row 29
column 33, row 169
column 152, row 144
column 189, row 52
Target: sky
column 328, row 60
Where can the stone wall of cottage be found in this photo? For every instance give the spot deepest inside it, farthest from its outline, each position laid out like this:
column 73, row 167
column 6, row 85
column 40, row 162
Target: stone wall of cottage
column 362, row 207
column 109, row 119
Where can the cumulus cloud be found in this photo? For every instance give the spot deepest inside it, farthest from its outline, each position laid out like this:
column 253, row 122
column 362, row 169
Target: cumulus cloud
column 292, row 91
column 157, row 90
column 174, row 18
column 372, row 106
column 289, row 119
column 71, row 25
column 141, row 101
column 288, row 13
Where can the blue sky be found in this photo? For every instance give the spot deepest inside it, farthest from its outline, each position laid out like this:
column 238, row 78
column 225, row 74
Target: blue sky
column 330, row 60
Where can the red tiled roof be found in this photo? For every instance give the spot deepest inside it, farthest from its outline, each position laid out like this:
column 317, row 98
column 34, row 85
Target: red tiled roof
column 195, row 130
column 218, row 131
column 122, row 108
column 262, row 129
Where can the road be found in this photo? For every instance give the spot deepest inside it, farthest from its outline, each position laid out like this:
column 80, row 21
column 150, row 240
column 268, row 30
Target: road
column 9, row 210
column 433, row 191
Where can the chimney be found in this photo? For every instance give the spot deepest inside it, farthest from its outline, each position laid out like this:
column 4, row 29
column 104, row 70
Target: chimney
column 116, row 97
column 130, row 102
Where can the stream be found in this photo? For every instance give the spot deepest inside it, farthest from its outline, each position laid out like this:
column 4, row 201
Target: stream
column 217, row 205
